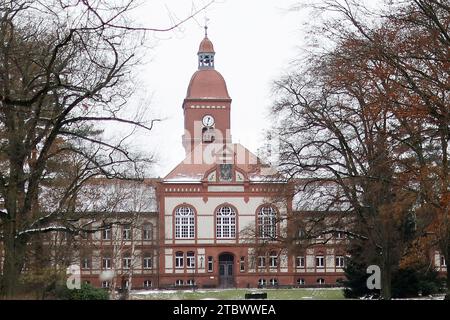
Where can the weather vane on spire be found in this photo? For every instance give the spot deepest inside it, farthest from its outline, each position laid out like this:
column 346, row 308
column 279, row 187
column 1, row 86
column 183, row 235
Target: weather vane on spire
column 206, row 26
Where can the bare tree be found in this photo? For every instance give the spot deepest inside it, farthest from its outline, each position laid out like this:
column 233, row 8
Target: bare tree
column 65, row 73
column 367, row 113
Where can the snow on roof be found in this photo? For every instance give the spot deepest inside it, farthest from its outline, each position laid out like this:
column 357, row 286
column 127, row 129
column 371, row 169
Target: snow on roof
column 117, row 196
column 205, row 157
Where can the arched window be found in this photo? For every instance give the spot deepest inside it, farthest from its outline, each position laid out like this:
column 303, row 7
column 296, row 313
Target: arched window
column 262, row 282
column 184, row 223
column 179, row 282
column 267, row 227
column 320, row 281
column 300, row 282
column 226, row 222
column 273, row 282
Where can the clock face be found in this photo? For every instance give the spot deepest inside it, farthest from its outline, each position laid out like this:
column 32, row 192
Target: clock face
column 208, row 120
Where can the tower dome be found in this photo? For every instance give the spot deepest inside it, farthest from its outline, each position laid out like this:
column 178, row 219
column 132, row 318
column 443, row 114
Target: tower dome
column 206, row 46
column 207, row 83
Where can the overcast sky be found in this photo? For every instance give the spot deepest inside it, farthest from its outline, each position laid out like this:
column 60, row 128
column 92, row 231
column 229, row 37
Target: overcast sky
column 254, row 42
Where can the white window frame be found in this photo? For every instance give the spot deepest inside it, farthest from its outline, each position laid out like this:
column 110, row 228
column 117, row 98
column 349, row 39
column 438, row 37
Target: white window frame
column 179, row 282
column 301, row 282
column 261, row 262
column 267, row 222
column 210, row 264
column 86, row 263
column 226, row 223
column 320, row 281
column 300, row 262
column 106, row 263
column 190, row 259
column 126, row 233
column 340, row 235
column 147, row 262
column 273, row 282
column 242, row 264
column 262, row 282
column 106, row 234
column 322, row 259
column 179, row 260
column 273, row 260
column 106, row 284
column 190, row 282
column 147, row 231
column 126, row 262
column 340, row 262
column 184, row 223
column 147, row 284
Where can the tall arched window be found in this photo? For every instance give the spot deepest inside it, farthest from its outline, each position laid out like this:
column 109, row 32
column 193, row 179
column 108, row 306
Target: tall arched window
column 267, row 227
column 226, row 222
column 184, row 223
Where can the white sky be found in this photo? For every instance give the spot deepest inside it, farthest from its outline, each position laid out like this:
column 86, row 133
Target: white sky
column 254, row 42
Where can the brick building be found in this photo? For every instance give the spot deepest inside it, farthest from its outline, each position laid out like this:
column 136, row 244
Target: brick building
column 212, row 221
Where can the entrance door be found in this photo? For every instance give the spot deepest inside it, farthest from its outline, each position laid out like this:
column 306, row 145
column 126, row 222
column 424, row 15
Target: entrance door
column 226, row 264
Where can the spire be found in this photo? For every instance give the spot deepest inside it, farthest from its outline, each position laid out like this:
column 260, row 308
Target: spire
column 206, row 26
column 206, row 52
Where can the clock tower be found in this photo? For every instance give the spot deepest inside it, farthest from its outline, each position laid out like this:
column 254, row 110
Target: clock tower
column 207, row 103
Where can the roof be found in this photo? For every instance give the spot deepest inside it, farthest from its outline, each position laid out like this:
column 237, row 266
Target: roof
column 207, row 84
column 113, row 195
column 206, row 46
column 198, row 163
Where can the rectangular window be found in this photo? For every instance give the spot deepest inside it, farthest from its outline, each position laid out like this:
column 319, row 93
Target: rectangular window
column 85, row 263
column 106, row 234
column 339, row 235
column 443, row 262
column 300, row 262
column 148, row 263
column 147, row 283
column 190, row 259
column 126, row 263
column 261, row 262
column 320, row 262
column 340, row 263
column 126, row 233
column 106, row 263
column 179, row 260
column 242, row 264
column 273, row 261
column 210, row 264
column 105, row 284
column 147, row 232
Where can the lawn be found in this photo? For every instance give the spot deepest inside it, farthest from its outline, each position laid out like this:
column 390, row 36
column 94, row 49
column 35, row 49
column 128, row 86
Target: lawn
column 238, row 294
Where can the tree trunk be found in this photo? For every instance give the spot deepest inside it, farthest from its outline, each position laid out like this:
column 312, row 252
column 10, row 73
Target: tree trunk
column 12, row 266
column 386, row 276
column 447, row 257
